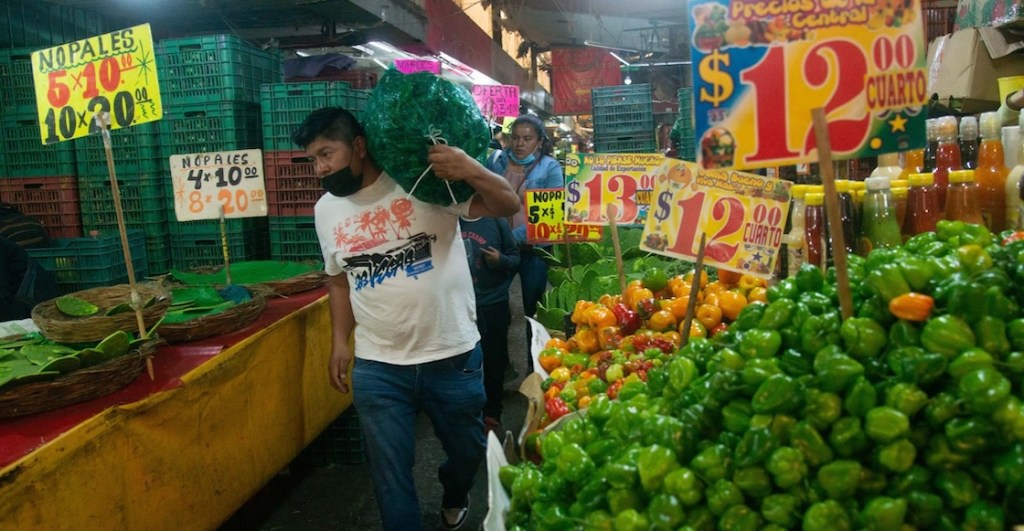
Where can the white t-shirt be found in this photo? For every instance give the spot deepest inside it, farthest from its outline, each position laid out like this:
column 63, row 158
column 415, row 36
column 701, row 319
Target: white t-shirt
column 410, row 286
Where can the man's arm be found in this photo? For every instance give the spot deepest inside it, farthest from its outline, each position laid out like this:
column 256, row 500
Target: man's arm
column 342, row 323
column 494, row 196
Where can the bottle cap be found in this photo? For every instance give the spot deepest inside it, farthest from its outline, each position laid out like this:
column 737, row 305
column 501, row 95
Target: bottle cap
column 991, row 125
column 888, row 159
column 861, row 194
column 798, row 191
column 815, row 189
column 856, row 186
column 842, row 186
column 968, row 128
column 899, row 193
column 961, row 176
column 877, row 183
column 900, row 183
column 815, row 199
column 921, row 179
column 946, row 128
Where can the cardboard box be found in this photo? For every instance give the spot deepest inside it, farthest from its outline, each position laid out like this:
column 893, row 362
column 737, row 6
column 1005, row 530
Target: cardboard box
column 967, row 63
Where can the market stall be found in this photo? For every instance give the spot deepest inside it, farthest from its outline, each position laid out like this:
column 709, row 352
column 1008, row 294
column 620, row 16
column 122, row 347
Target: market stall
column 221, row 417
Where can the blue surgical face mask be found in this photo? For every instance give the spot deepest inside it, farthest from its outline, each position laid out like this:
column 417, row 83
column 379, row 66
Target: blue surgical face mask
column 342, row 182
column 524, row 161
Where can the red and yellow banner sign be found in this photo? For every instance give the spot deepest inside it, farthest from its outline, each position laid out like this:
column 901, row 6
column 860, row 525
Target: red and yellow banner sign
column 545, row 219
column 596, row 180
column 112, row 73
column 762, row 66
column 742, row 214
column 574, row 71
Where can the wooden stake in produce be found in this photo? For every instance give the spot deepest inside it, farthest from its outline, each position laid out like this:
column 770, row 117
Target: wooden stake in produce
column 224, row 246
column 835, row 222
column 612, row 211
column 691, row 305
column 102, row 120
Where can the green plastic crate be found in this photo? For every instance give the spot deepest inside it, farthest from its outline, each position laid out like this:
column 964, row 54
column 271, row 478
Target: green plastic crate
column 623, row 119
column 189, row 251
column 285, row 105
column 143, row 203
column 214, row 68
column 294, row 239
column 158, row 255
column 92, row 261
column 24, row 155
column 621, row 95
column 626, row 144
column 210, row 127
column 136, row 152
column 17, row 91
column 341, row 443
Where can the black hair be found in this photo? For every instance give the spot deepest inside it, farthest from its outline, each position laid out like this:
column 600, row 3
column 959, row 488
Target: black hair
column 538, row 127
column 332, row 123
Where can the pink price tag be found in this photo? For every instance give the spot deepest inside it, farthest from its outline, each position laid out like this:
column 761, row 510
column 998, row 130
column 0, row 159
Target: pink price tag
column 411, row 66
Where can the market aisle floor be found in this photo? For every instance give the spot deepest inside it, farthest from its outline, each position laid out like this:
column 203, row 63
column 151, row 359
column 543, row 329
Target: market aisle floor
column 305, row 497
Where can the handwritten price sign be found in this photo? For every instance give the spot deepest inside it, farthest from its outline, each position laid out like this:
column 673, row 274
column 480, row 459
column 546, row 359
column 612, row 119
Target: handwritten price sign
column 206, row 182
column 743, row 215
column 762, row 67
column 545, row 219
column 497, row 100
column 411, row 66
column 595, row 180
column 114, row 73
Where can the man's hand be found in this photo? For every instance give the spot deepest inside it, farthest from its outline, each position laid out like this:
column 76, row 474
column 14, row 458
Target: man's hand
column 341, row 358
column 491, row 255
column 452, row 164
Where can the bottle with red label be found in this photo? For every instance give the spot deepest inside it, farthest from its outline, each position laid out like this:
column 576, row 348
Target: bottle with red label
column 947, row 154
column 815, row 231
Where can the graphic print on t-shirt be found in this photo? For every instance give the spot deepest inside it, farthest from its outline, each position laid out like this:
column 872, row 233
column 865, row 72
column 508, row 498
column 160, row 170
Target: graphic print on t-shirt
column 373, row 227
column 366, row 231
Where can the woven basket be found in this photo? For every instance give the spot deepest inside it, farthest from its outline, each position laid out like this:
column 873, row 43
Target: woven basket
column 58, row 326
column 78, row 386
column 305, row 282
column 235, row 318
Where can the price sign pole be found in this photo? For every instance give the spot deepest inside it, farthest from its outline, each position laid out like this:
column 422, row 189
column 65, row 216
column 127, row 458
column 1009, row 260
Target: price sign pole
column 224, row 246
column 612, row 211
column 835, row 222
column 691, row 305
column 136, row 300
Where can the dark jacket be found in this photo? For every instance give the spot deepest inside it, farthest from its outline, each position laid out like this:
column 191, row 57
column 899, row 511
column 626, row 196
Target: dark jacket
column 490, row 283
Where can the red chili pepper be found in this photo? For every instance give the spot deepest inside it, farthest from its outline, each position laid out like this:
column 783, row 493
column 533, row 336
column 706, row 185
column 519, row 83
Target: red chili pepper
column 627, row 319
column 613, row 389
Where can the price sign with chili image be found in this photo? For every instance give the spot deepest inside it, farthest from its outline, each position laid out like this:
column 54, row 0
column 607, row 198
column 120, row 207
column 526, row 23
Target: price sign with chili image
column 112, row 73
column 545, row 220
column 595, row 180
column 744, row 217
column 762, row 66
column 205, row 183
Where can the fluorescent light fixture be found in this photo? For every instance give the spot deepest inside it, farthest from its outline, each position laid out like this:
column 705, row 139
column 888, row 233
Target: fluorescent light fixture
column 381, row 63
column 608, row 47
column 301, row 53
column 383, row 46
column 621, row 60
column 363, row 49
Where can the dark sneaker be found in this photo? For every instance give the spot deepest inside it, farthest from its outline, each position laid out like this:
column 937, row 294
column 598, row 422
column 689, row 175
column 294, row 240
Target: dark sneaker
column 454, row 517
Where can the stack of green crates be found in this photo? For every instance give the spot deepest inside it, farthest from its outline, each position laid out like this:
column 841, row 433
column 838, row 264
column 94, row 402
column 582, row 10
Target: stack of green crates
column 683, row 128
column 139, row 171
column 292, row 184
column 210, row 88
column 93, row 261
column 623, row 119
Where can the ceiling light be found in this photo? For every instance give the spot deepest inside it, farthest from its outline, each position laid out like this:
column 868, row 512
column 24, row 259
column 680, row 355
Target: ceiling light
column 628, row 80
column 621, row 60
column 593, row 44
column 382, row 46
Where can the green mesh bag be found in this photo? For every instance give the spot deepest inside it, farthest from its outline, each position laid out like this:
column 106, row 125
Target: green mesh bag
column 404, row 111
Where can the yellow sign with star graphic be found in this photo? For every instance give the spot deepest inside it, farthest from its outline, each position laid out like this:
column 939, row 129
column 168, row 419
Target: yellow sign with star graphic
column 761, row 68
column 114, row 73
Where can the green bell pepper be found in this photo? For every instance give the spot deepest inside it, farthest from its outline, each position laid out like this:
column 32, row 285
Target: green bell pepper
column 665, row 512
column 906, row 398
column 573, row 463
column 805, row 438
column 970, row 435
column 701, row 519
column 887, row 281
column 884, row 513
column 997, row 304
column 754, row 447
column 620, row 500
column 787, row 466
column 793, row 362
column 957, row 488
column 1015, row 331
column 681, row 371
column 835, row 371
column 821, row 408
column 915, row 478
column 758, row 343
column 589, row 498
column 940, row 456
column 897, row 456
column 739, row 518
column 860, row 397
column 736, row 416
column 973, row 258
column 968, row 361
column 809, row 278
column 818, row 332
column 984, row 515
column 753, row 481
column 777, row 314
column 916, row 365
column 783, row 289
column 917, row 271
column 602, row 451
column 749, row 317
column 713, row 463
column 826, row 515
column 847, row 437
column 863, row 337
column 924, row 509
column 780, row 509
column 653, row 464
column 948, row 335
column 632, row 520
column 527, row 484
column 1008, row 467
column 723, row 494
column 991, row 334
column 983, row 390
column 665, row 431
column 757, row 370
column 684, row 485
column 886, row 424
column 778, row 394
column 839, row 479
column 904, row 334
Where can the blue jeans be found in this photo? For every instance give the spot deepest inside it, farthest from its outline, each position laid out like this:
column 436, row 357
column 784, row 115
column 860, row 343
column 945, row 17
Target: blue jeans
column 533, row 277
column 388, row 399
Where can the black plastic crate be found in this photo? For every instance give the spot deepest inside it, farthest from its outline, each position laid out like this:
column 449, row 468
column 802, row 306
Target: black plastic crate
column 341, row 443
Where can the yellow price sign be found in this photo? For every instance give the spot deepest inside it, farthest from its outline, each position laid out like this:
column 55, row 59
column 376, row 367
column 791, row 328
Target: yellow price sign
column 112, row 73
column 545, row 220
column 595, row 180
column 206, row 184
column 743, row 214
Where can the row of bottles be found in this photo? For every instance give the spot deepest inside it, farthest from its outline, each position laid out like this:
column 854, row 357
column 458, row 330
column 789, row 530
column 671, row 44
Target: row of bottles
column 878, row 212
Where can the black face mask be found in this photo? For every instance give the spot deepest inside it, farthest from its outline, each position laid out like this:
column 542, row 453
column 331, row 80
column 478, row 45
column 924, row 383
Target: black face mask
column 342, row 182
